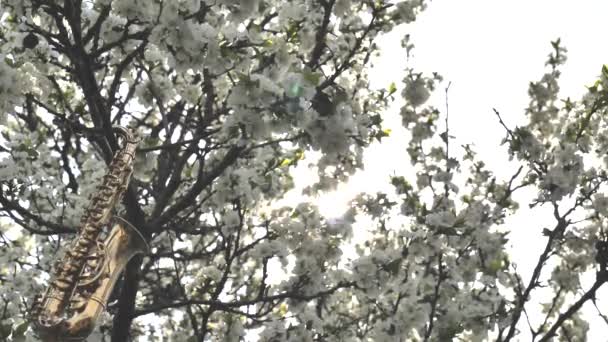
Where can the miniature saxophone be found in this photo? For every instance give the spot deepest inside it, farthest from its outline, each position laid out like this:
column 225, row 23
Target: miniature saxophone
column 83, row 279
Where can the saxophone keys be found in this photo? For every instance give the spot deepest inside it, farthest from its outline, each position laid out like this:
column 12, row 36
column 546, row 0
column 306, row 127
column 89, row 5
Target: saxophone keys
column 61, row 285
column 90, row 229
column 79, row 250
column 72, row 269
column 78, row 306
column 87, row 238
column 97, row 209
column 97, row 215
column 93, row 263
column 78, row 302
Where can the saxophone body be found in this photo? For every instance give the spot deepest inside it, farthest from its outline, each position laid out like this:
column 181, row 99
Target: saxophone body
column 83, row 278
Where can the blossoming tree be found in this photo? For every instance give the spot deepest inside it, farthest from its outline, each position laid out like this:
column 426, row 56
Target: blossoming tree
column 227, row 96
column 445, row 273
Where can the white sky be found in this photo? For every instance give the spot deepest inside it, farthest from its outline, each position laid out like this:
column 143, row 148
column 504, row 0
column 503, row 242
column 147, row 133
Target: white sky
column 490, row 50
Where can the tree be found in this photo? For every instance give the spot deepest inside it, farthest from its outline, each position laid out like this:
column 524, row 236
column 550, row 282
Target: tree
column 228, row 97
column 445, row 274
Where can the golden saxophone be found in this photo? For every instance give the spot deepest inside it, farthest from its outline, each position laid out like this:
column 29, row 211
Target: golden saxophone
column 83, row 279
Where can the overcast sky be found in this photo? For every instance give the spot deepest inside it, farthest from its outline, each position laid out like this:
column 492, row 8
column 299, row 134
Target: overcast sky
column 490, row 50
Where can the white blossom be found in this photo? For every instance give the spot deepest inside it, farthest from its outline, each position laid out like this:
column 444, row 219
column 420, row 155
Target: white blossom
column 416, row 92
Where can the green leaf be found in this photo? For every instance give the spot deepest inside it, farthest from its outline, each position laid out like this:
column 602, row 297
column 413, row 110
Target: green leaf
column 392, row 88
column 494, row 266
column 283, row 309
column 292, row 31
column 20, row 329
column 401, row 185
column 5, row 330
column 151, row 142
column 312, row 77
column 299, row 154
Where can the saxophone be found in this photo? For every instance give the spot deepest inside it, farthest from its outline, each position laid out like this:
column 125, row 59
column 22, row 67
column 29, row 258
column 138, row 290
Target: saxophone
column 83, row 279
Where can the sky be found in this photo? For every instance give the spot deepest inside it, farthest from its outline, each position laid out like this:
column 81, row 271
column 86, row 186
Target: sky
column 489, row 50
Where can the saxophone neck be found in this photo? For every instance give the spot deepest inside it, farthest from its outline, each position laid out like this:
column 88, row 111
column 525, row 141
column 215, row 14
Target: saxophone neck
column 129, row 140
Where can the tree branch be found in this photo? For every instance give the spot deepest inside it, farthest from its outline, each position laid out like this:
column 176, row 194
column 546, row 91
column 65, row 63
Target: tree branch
column 590, row 294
